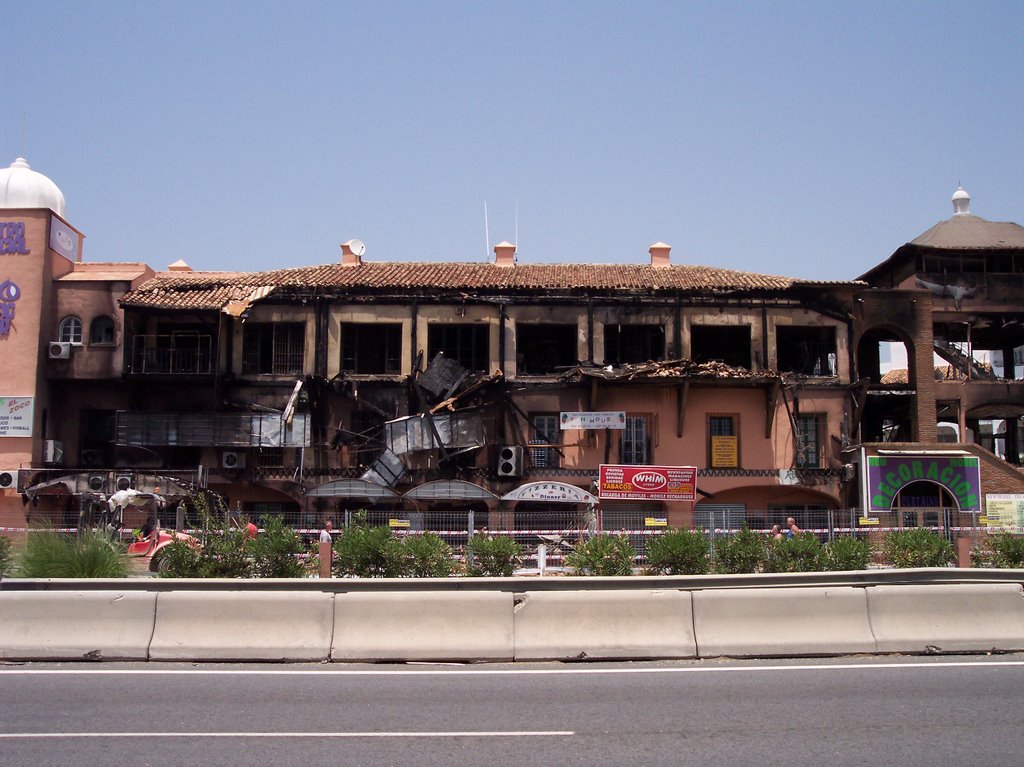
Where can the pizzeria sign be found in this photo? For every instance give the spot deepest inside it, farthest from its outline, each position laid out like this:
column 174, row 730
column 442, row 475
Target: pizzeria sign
column 647, row 483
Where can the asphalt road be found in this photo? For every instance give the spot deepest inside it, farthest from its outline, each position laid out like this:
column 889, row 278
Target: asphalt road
column 870, row 711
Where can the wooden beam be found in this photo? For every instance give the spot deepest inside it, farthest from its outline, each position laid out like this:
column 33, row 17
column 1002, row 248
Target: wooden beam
column 682, row 395
column 771, row 404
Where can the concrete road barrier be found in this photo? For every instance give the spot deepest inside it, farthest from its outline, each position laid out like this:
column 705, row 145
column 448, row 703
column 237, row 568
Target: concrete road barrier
column 558, row 625
column 423, row 626
column 779, row 622
column 962, row 618
column 241, row 625
column 76, row 625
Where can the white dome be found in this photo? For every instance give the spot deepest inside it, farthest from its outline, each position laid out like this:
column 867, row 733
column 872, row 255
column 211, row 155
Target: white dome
column 961, row 201
column 22, row 187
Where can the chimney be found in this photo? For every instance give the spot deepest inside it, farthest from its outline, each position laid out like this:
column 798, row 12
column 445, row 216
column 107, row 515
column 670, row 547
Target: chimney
column 504, row 254
column 352, row 252
column 179, row 266
column 659, row 254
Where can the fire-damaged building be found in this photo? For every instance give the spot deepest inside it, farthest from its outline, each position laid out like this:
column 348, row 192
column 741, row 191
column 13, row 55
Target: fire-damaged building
column 460, row 395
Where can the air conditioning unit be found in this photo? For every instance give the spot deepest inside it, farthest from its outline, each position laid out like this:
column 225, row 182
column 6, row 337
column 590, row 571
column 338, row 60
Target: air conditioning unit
column 232, row 459
column 97, row 482
column 123, row 482
column 9, row 479
column 60, row 350
column 510, row 461
column 53, row 452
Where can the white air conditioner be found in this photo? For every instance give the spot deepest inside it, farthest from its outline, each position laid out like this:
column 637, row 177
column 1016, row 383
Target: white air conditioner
column 60, row 350
column 9, row 479
column 53, row 451
column 232, row 459
column 510, row 461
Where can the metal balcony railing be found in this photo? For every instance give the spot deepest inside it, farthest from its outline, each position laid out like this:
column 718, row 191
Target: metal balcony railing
column 171, row 355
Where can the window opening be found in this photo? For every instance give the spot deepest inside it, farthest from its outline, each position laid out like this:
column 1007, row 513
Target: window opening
column 70, row 330
column 541, row 349
column 630, row 344
column 274, row 348
column 370, row 348
column 545, row 431
column 464, row 343
column 806, row 350
column 725, row 343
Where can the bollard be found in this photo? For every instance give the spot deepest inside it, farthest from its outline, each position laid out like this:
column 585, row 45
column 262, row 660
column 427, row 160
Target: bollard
column 963, row 552
column 326, row 558
column 542, row 558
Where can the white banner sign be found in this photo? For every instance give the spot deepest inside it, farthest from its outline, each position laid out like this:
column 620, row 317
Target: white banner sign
column 611, row 420
column 16, row 416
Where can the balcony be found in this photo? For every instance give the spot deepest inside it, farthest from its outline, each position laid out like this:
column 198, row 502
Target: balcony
column 177, row 355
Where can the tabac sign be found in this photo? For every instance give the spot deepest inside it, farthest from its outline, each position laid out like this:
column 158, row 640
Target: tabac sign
column 647, row 483
column 959, row 474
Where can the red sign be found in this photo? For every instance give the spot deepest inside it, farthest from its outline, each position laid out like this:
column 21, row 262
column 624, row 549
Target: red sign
column 647, row 483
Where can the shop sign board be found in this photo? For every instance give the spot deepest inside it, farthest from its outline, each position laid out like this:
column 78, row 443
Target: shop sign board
column 615, row 419
column 12, row 238
column 1004, row 511
column 959, row 474
column 16, row 416
column 647, row 483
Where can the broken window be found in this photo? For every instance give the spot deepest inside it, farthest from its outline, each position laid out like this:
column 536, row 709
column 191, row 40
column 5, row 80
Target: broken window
column 371, row 348
column 101, row 331
column 464, row 343
column 808, row 351
column 723, row 343
column 543, row 348
column 626, row 344
column 723, row 442
column 276, row 348
column 636, row 439
column 544, row 432
column 809, row 430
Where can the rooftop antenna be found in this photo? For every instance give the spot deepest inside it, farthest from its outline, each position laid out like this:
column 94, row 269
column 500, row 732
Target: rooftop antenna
column 21, row 147
column 517, row 225
column 487, row 234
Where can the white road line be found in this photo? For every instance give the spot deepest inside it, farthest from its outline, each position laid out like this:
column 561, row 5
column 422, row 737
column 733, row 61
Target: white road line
column 575, row 670
column 453, row 734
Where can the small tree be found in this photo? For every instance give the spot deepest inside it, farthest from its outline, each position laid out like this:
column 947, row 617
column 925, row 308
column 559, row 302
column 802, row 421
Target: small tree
column 799, row 554
column 603, row 555
column 846, row 553
column 493, row 556
column 917, row 547
column 679, row 552
column 743, row 552
column 367, row 552
column 426, row 556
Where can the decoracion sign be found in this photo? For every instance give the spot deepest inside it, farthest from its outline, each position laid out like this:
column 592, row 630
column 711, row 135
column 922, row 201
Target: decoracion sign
column 647, row 483
column 12, row 238
column 1004, row 511
column 600, row 420
column 9, row 293
column 16, row 416
column 960, row 475
column 63, row 239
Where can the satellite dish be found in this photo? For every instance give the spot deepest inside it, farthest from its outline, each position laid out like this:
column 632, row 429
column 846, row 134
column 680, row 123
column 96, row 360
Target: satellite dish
column 357, row 247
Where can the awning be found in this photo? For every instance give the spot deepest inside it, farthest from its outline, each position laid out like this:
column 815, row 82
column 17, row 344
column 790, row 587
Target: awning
column 550, row 492
column 449, row 490
column 354, row 488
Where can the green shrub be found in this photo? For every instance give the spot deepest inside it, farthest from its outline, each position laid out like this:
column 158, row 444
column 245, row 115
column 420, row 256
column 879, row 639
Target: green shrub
column 181, row 558
column 275, row 551
column 6, row 556
column 49, row 554
column 493, row 556
column 1007, row 550
column 740, row 553
column 846, row 553
column 679, row 552
column 367, row 552
column 800, row 554
column 426, row 556
column 917, row 547
column 603, row 555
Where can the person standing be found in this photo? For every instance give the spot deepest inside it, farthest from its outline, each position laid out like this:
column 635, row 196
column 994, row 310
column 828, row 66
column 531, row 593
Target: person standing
column 326, row 550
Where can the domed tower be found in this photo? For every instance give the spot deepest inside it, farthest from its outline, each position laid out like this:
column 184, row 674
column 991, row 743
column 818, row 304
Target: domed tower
column 37, row 247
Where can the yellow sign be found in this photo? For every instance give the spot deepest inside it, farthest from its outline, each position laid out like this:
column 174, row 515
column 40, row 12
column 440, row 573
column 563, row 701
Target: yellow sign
column 655, row 522
column 724, row 452
column 982, row 520
column 868, row 521
column 398, row 523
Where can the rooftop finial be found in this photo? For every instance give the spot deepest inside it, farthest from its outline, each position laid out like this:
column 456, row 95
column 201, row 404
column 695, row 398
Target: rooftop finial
column 961, row 201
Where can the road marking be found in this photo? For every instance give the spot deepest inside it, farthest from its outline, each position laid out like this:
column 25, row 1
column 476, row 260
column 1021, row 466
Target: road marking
column 453, row 734
column 429, row 671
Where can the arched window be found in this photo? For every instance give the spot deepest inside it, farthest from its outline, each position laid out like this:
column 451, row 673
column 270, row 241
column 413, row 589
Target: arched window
column 71, row 330
column 101, row 330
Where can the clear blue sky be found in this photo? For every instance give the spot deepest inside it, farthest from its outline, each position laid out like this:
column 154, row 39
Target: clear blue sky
column 806, row 139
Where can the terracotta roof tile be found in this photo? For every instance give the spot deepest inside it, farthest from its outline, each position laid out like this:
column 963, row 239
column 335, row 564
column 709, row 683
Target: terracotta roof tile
column 212, row 290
